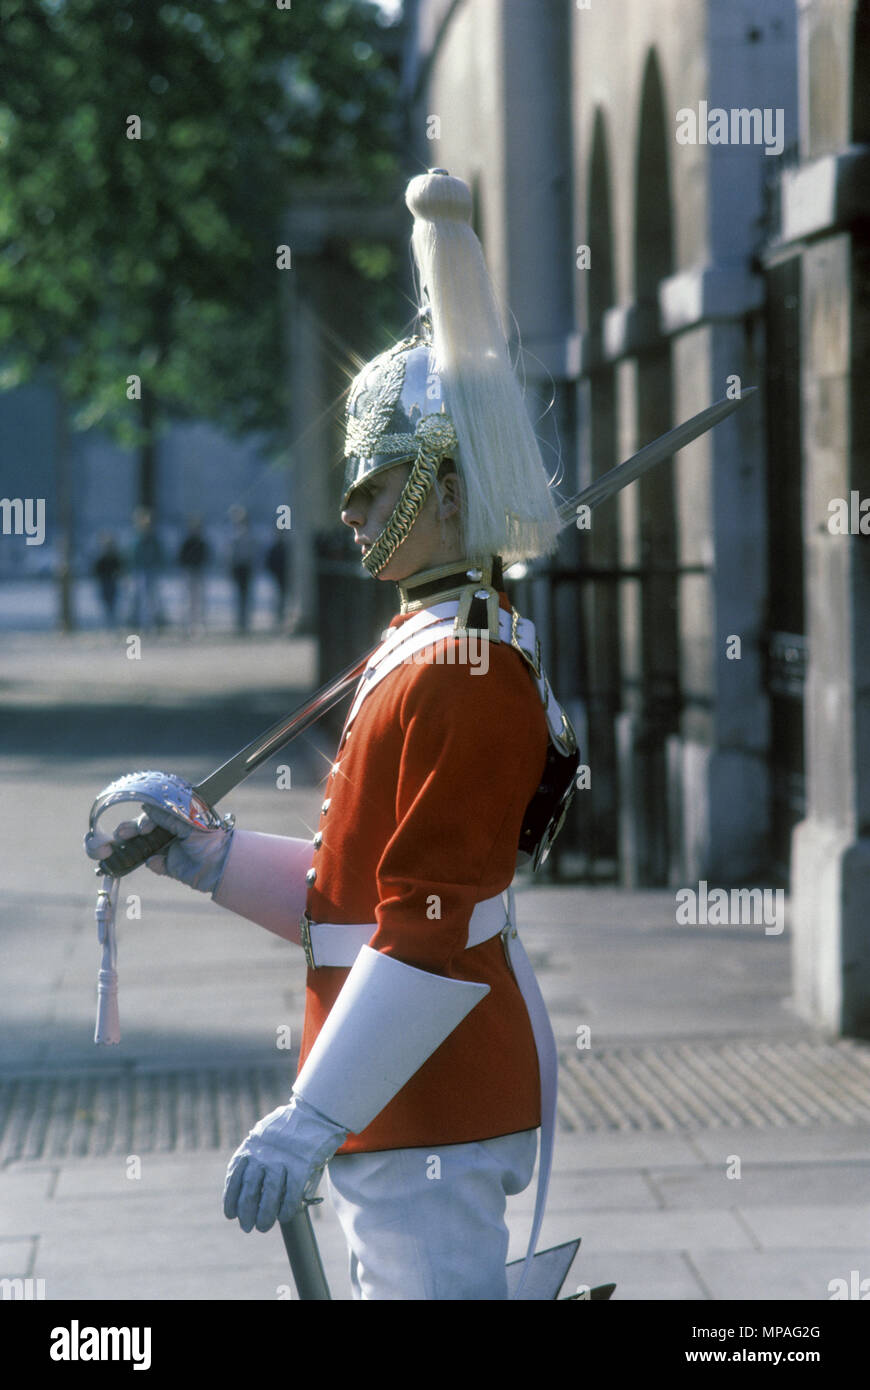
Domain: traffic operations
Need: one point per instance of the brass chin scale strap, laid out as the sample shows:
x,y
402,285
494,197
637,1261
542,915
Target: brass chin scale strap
x,y
436,439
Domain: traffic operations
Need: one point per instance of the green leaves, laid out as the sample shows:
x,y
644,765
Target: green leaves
x,y
156,255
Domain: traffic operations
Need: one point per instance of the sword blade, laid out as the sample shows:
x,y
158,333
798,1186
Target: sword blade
x,y
615,479
255,753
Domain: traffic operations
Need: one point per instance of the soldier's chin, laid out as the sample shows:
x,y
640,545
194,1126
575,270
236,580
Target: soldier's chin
x,y
391,570
395,569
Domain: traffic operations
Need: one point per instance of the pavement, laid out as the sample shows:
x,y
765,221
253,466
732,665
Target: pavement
x,y
711,1145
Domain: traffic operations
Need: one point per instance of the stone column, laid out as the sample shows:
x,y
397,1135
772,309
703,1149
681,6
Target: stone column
x,y
824,208
831,846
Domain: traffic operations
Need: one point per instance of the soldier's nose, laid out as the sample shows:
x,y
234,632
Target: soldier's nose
x,y
354,514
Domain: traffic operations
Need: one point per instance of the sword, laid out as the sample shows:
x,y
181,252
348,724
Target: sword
x,y
304,1256
549,1267
615,479
208,792
141,847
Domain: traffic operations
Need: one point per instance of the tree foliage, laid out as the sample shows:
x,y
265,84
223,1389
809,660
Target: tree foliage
x,y
156,256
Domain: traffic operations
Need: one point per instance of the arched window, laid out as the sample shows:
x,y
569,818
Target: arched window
x,y
658,700
599,229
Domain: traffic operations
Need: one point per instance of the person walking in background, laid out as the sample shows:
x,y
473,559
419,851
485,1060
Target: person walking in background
x,y
241,564
146,562
107,571
193,557
277,563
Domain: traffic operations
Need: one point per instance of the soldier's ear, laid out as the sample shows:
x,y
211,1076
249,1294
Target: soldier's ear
x,y
448,488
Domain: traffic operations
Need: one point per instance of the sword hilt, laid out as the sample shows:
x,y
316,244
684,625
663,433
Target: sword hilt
x,y
131,853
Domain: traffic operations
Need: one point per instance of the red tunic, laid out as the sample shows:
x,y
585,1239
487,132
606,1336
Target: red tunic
x,y
425,804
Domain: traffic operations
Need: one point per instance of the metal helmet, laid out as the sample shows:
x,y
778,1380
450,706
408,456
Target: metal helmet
x,y
397,414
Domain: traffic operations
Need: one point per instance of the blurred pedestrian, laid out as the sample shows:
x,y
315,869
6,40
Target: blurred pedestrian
x,y
146,563
107,571
277,563
193,557
241,564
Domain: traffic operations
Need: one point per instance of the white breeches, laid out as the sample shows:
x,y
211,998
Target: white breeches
x,y
429,1223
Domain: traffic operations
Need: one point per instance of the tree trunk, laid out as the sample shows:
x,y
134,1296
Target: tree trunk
x,y
148,453
65,520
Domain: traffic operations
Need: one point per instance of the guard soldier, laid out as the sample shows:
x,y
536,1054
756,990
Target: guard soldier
x,y
427,1060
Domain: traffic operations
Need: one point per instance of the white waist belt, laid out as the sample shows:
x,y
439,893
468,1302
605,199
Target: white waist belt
x,y
330,943
333,943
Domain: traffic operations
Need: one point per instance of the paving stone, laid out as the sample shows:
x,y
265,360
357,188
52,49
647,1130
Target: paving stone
x,y
161,1173
20,1186
788,1144
582,1192
228,1283
638,1275
805,1227
672,1230
767,1184
764,1275
179,1250
17,1256
584,1152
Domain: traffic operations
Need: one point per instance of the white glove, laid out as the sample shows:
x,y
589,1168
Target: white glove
x,y
195,857
279,1165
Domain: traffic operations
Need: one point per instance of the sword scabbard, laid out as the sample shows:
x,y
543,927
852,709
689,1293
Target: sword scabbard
x,y
300,1243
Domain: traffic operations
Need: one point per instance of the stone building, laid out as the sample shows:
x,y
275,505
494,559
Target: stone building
x,y
821,251
670,195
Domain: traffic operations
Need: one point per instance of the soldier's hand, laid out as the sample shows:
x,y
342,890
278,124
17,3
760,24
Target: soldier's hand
x,y
194,857
279,1165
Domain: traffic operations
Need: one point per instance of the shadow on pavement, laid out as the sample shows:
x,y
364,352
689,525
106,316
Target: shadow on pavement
x,y
207,729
